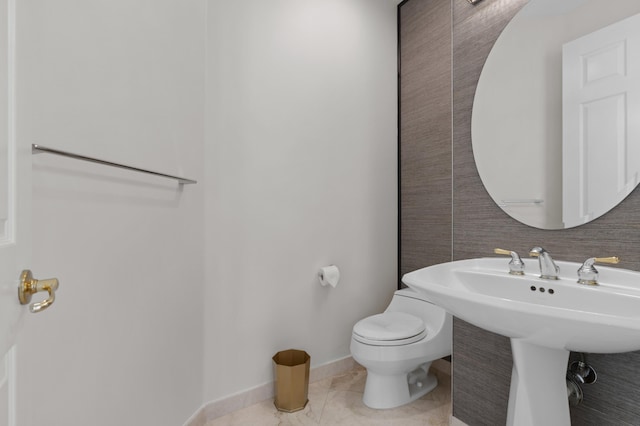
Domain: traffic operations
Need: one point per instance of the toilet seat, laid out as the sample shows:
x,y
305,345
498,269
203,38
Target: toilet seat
x,y
389,329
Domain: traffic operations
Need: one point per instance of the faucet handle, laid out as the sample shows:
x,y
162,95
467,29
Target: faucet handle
x,y
516,265
612,259
588,274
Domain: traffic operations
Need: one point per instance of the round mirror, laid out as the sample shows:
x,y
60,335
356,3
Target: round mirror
x,y
556,116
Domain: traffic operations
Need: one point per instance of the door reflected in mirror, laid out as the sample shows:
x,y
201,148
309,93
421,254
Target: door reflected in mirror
x,y
554,129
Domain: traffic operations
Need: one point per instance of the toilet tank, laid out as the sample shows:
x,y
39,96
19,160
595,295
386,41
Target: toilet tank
x,y
414,303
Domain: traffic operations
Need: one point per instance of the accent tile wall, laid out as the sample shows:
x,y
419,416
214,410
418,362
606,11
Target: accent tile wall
x,y
482,360
425,134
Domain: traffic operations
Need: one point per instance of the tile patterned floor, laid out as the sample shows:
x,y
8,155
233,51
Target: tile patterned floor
x,y
338,401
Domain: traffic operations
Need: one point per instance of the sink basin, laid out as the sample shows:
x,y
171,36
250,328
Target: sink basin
x,y
558,314
545,319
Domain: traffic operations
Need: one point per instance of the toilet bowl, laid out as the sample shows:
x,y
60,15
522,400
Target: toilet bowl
x,y
397,348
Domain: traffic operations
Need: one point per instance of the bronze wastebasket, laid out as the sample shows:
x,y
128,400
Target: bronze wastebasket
x,y
292,379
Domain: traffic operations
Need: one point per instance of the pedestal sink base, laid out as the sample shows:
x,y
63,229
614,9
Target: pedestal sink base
x,y
545,319
538,394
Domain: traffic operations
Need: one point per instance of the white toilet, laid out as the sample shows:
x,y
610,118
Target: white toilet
x,y
397,348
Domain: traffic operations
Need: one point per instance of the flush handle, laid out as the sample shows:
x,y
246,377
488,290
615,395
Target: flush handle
x,y
30,286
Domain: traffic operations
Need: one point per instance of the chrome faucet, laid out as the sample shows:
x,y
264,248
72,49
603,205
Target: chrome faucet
x,y
588,274
548,268
516,266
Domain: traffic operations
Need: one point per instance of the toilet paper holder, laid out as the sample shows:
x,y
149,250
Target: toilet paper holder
x,y
329,275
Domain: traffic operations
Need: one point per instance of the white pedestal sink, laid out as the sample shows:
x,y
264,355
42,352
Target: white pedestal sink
x,y
544,319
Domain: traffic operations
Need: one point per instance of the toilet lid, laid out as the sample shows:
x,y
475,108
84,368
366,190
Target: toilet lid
x,y
389,326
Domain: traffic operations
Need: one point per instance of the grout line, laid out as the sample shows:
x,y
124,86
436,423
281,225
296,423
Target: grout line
x,y
324,404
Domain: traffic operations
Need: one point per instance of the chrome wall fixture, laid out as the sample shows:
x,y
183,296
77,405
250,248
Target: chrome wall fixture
x,y
579,373
504,203
35,149
474,1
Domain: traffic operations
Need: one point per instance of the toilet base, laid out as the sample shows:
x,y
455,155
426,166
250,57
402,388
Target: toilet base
x,y
385,391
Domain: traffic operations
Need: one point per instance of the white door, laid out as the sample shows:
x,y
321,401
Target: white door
x,y
15,238
601,106
14,253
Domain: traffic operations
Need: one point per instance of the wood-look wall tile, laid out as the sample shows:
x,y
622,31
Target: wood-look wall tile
x,y
480,226
474,216
471,225
477,371
615,391
425,134
585,416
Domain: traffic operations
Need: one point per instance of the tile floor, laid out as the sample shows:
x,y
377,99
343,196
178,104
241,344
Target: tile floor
x,y
338,401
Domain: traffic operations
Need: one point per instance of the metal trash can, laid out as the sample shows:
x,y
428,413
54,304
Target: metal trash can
x,y
292,379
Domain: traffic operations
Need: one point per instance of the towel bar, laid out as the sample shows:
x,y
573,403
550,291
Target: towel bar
x,y
504,203
35,149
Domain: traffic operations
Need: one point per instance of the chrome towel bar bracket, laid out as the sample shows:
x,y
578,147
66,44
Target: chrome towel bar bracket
x,y
36,149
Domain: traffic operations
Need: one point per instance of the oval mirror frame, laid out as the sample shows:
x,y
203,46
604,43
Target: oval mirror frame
x,y
552,159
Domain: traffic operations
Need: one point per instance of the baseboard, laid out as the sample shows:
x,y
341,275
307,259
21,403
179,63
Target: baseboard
x,y
221,407
197,419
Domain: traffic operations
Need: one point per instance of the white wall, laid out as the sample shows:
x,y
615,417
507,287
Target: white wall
x,y
121,80
300,172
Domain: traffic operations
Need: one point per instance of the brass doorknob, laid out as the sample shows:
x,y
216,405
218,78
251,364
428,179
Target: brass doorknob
x,y
30,286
